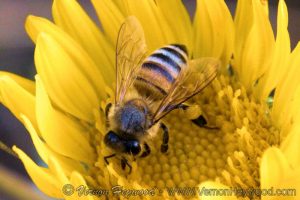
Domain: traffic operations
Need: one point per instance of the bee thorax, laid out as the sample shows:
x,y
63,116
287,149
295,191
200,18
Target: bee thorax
x,y
131,119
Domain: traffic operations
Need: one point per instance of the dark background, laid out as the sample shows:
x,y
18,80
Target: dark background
x,y
16,55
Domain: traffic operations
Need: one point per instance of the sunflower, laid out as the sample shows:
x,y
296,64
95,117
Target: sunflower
x,y
254,102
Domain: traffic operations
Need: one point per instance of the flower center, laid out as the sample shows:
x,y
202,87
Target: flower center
x,y
229,154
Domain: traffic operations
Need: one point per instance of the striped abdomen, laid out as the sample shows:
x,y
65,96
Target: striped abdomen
x,y
160,70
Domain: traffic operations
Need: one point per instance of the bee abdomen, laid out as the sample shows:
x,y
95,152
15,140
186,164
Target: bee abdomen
x,y
160,70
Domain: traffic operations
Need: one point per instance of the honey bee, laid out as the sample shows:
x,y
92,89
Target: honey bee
x,y
148,88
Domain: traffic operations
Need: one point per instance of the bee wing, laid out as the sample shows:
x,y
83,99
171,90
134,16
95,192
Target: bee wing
x,y
199,74
130,53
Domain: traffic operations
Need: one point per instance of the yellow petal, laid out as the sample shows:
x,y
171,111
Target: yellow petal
x,y
36,25
265,4
210,190
282,49
41,177
213,30
110,16
78,182
121,5
38,143
277,176
295,107
17,99
290,147
229,39
258,47
178,18
243,21
57,171
289,186
67,85
61,133
253,43
85,32
273,168
45,152
285,92
156,28
23,82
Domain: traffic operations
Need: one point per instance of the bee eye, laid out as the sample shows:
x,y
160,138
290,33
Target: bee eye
x,y
133,146
111,137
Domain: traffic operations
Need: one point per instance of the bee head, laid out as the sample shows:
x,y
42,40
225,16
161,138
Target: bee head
x,y
119,144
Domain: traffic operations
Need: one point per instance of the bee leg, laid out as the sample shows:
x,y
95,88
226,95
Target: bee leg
x,y
201,122
147,150
164,146
124,162
107,157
